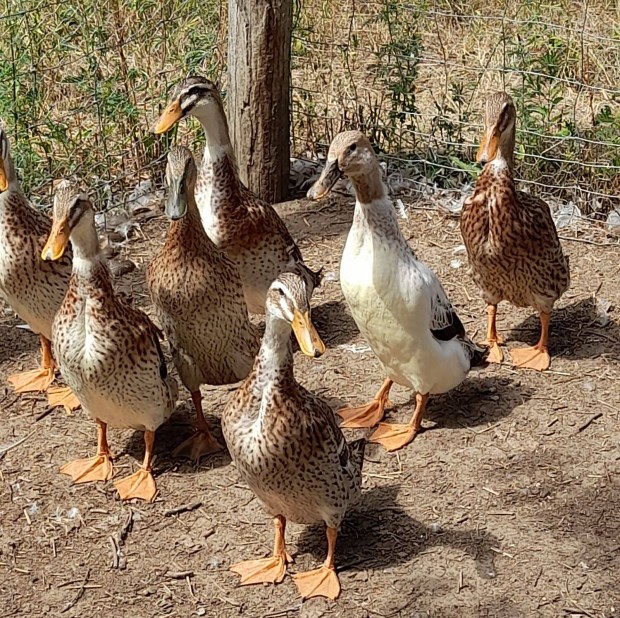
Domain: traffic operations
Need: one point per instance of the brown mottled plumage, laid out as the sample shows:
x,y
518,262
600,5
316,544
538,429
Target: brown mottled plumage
x,y
245,227
34,289
108,352
199,301
286,443
512,244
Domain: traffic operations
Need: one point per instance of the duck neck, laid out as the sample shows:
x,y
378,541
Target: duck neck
x,y
505,155
186,227
218,151
274,363
373,208
496,197
87,255
369,186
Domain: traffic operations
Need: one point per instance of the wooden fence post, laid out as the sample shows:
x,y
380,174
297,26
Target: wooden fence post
x,y
259,63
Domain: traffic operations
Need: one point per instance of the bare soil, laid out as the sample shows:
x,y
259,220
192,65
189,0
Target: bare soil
x,y
507,506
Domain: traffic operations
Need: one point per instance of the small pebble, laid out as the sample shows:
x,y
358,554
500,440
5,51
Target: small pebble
x,y
213,563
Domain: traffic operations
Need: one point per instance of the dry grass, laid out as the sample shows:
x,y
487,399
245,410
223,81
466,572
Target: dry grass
x,y
438,60
83,83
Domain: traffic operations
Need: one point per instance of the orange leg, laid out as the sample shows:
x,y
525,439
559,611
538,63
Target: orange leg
x,y
392,436
202,442
38,379
321,582
97,468
493,339
371,413
537,357
141,484
267,570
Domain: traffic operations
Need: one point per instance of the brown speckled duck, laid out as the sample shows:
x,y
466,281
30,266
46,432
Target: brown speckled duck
x,y
34,289
199,301
108,352
246,228
512,244
286,444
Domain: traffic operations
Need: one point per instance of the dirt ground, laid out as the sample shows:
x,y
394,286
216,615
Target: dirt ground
x,y
506,507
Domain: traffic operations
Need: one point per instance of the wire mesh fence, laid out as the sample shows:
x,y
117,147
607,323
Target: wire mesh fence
x,y
80,85
414,77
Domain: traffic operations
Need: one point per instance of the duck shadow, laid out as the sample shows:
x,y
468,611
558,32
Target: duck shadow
x,y
479,400
173,432
373,535
575,332
334,323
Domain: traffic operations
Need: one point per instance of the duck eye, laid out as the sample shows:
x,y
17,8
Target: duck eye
x,y
352,147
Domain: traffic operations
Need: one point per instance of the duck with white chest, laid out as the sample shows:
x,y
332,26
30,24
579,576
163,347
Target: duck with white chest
x,y
397,302
108,352
287,446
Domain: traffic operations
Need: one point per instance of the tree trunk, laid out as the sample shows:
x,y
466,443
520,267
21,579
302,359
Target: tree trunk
x,y
259,63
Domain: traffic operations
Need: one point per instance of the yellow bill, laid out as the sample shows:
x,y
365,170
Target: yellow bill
x,y
57,242
171,115
307,337
488,147
4,183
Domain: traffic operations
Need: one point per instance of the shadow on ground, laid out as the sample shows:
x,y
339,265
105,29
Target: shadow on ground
x,y
334,323
479,400
378,534
575,332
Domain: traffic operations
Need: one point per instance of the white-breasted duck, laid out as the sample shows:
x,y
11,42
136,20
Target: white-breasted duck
x,y
397,302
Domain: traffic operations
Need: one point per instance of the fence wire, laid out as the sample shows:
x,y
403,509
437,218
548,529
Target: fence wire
x,y
414,77
81,83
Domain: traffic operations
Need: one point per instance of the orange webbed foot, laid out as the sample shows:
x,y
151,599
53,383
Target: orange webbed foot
x,y
393,436
322,582
264,571
38,380
62,396
531,358
97,468
363,416
140,485
495,352
200,444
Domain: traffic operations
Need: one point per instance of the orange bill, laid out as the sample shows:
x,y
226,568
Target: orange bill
x,y
57,242
307,337
488,146
169,118
4,183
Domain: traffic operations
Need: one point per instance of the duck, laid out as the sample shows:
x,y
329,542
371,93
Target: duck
x,y
512,244
108,351
287,446
198,299
245,227
32,288
397,301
